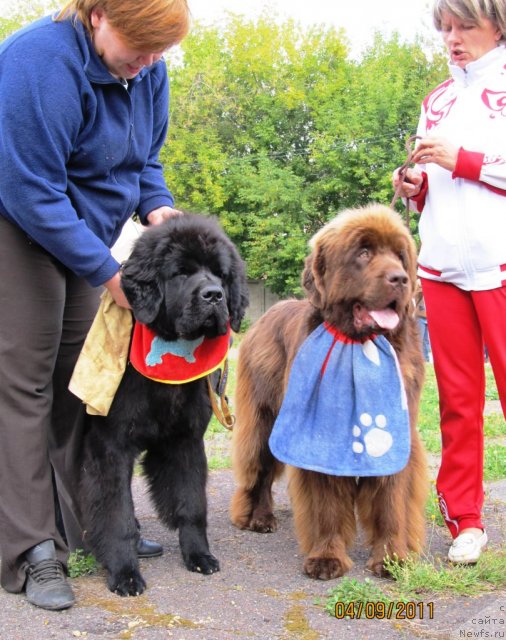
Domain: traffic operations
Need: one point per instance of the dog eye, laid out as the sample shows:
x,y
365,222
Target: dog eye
x,y
364,254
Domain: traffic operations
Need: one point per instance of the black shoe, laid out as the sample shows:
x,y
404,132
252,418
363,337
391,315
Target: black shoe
x,y
46,584
148,548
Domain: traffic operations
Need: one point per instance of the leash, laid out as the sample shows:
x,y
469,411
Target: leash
x,y
402,175
222,412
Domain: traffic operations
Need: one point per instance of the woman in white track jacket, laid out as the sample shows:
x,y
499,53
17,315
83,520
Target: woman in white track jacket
x,y
459,187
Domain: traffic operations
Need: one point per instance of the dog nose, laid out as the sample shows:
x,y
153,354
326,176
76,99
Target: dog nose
x,y
396,278
212,294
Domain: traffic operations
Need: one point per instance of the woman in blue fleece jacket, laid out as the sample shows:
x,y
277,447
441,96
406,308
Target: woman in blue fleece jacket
x,y
83,115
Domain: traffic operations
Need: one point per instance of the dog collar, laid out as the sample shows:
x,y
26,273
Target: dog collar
x,y
345,410
176,361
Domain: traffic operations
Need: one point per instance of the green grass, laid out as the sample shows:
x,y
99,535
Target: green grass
x,y
491,392
428,417
432,512
417,579
495,462
81,564
350,591
494,425
215,462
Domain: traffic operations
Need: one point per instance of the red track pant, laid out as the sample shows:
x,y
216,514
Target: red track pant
x,y
460,323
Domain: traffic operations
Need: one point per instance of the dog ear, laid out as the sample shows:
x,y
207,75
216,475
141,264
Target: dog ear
x,y
237,293
314,269
142,291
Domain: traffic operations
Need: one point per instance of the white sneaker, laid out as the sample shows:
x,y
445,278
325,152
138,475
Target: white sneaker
x,y
467,548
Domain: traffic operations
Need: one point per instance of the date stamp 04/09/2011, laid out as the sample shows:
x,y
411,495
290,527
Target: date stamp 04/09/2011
x,y
384,610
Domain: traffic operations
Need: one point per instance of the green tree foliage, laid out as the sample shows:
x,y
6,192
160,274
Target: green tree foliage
x,y
275,128
241,129
24,12
371,119
7,26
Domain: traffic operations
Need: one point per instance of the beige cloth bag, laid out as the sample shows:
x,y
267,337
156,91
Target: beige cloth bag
x,y
104,356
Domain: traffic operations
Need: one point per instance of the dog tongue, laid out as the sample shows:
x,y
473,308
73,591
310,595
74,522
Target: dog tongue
x,y
386,318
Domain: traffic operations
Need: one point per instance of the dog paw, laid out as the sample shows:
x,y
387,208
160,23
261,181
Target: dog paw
x,y
202,563
378,568
377,565
325,568
127,583
266,523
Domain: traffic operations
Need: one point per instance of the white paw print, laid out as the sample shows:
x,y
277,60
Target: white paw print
x,y
377,441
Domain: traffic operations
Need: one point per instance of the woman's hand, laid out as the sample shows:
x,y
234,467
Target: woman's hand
x,y
157,216
411,185
437,150
162,213
114,287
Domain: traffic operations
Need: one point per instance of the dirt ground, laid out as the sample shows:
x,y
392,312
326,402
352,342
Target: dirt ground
x,y
260,592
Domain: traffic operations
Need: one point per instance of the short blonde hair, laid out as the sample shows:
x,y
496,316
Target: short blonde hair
x,y
149,25
472,11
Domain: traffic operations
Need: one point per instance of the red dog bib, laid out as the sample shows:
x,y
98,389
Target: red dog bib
x,y
176,361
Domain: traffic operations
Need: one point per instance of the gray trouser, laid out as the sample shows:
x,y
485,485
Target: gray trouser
x,y
45,314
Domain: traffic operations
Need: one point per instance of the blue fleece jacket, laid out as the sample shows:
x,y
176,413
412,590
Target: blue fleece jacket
x,y
78,151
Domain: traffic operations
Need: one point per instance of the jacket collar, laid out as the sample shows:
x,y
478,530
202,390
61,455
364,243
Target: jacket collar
x,y
477,69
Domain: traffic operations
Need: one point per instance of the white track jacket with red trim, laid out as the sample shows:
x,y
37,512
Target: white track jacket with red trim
x,y
463,221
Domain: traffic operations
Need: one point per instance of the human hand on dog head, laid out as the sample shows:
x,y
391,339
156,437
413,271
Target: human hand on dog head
x,y
114,287
157,216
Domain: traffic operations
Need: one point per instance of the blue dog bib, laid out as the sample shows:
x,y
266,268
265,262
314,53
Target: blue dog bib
x,y
345,409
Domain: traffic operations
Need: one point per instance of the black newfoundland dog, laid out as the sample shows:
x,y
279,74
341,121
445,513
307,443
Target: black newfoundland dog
x,y
186,283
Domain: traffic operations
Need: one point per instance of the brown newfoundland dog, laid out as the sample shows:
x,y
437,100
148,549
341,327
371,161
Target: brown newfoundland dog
x,y
359,280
